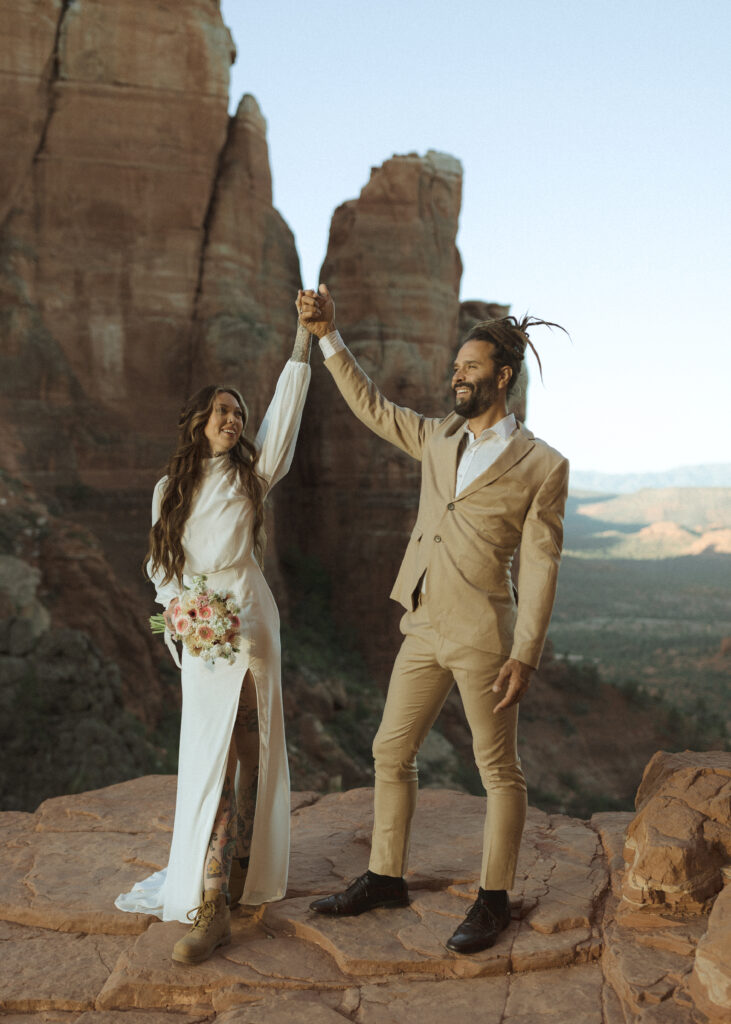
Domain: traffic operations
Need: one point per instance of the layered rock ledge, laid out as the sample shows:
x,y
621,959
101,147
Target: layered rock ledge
x,y
590,941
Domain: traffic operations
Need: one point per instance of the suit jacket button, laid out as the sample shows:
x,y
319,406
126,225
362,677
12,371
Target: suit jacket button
x,y
438,539
450,506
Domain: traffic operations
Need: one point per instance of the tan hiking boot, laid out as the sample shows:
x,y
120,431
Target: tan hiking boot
x,y
237,879
211,929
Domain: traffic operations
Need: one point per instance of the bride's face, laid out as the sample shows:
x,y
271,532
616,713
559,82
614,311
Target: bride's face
x,y
225,423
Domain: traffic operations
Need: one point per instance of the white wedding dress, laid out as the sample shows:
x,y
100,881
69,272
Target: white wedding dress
x,y
218,542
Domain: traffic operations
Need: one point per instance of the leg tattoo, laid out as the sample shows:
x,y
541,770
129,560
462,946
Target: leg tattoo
x,y
223,837
246,733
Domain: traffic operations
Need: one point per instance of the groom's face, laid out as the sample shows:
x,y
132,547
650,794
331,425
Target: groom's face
x,y
474,379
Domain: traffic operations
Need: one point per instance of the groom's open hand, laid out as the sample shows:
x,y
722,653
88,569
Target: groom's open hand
x,y
316,311
516,676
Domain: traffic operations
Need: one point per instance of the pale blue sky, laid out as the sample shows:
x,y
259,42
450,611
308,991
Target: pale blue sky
x,y
594,136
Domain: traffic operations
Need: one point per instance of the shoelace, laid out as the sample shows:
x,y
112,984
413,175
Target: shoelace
x,y
477,909
204,914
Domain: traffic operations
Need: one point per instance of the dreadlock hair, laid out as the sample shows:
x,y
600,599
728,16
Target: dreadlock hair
x,y
184,473
509,338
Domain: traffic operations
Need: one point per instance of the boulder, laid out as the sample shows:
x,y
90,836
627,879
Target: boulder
x,y
710,980
680,839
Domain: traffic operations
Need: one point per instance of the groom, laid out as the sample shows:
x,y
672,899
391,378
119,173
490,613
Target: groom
x,y
487,485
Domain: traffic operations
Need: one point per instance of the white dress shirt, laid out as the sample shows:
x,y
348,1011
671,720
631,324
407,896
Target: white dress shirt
x,y
478,453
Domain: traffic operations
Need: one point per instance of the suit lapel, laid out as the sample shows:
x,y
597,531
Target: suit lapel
x,y
446,453
518,447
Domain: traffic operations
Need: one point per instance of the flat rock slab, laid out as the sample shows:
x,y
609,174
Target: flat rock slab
x,y
139,806
70,956
640,974
104,1017
41,1017
69,880
46,970
572,996
386,942
139,1017
256,960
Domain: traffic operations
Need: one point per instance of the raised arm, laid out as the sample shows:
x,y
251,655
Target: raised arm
x,y
302,345
402,427
278,432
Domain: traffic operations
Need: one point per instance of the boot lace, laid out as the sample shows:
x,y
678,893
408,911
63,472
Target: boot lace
x,y
204,915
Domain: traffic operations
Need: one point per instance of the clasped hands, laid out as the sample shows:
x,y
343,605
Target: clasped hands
x,y
316,311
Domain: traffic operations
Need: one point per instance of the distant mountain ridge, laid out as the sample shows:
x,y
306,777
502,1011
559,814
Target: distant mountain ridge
x,y
697,508
660,522
716,474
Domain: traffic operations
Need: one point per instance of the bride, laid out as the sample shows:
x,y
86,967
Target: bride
x,y
231,834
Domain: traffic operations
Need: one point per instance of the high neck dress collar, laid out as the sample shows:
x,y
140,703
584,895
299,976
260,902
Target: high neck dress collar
x,y
216,462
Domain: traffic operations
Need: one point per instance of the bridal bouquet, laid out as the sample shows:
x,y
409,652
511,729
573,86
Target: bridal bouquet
x,y
206,622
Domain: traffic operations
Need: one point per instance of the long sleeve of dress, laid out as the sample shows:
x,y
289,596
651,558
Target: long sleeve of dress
x,y
278,432
164,593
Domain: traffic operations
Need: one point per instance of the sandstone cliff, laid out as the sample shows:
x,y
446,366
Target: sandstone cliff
x,y
593,940
140,256
394,269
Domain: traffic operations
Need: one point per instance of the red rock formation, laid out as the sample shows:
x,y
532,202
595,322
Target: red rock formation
x,y
394,270
710,981
105,232
250,272
67,581
140,255
681,837
141,251
28,34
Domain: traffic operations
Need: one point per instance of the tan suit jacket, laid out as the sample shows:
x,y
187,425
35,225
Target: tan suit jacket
x,y
467,543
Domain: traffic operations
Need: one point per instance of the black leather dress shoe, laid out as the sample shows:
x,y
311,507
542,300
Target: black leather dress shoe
x,y
480,929
365,893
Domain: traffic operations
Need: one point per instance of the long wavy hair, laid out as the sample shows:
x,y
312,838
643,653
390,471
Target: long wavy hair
x,y
184,474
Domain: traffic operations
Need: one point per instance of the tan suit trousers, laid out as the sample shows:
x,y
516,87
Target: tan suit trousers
x,y
425,669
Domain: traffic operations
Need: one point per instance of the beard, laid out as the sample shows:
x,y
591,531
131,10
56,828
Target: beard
x,y
482,395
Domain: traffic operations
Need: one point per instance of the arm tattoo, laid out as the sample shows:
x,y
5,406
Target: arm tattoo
x,y
302,343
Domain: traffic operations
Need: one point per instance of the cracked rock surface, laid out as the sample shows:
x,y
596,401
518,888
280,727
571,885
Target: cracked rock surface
x,y
575,951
